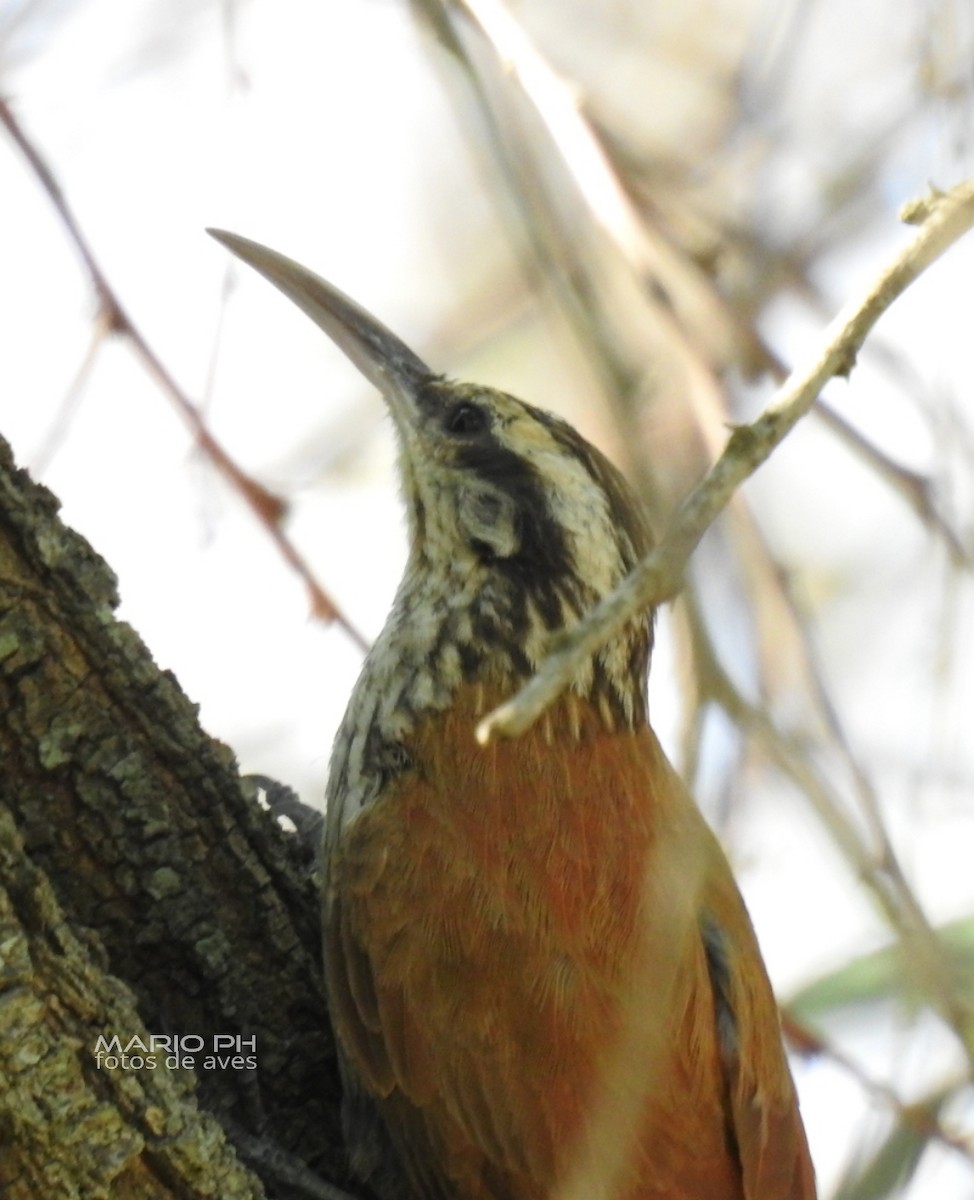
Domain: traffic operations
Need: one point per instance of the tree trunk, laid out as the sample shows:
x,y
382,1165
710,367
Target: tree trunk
x,y
143,895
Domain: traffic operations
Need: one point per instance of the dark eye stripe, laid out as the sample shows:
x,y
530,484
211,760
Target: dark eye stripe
x,y
626,510
543,558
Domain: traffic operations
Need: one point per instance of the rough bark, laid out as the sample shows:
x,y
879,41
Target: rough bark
x,y
141,892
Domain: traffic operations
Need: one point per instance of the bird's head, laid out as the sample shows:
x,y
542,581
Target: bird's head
x,y
511,512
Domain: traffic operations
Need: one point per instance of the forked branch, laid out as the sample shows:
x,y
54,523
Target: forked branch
x,y
943,218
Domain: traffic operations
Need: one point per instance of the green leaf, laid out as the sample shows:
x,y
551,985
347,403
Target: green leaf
x,y
889,1170
894,1163
882,975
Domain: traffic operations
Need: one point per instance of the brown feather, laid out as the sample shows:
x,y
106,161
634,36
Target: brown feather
x,y
515,936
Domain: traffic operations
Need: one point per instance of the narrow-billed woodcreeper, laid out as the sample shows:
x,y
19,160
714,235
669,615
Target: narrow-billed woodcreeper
x,y
543,980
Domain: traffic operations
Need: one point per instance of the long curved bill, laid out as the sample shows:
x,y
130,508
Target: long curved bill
x,y
384,359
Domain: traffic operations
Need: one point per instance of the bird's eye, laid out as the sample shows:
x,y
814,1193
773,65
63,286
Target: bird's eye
x,y
466,418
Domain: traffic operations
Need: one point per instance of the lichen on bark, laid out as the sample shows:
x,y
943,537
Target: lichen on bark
x,y
143,892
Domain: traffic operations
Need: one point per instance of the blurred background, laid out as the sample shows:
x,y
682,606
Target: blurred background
x,y
638,214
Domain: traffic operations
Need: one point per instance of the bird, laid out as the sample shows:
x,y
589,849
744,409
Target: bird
x,y
542,977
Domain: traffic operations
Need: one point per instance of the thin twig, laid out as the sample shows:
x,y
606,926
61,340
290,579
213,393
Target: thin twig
x,y
59,428
878,868
658,577
914,488
917,1116
269,508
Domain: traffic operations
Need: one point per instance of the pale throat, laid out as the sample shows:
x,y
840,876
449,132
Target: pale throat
x,y
471,630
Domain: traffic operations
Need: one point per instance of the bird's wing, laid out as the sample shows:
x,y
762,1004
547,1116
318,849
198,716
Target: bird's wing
x,y
480,1072
764,1115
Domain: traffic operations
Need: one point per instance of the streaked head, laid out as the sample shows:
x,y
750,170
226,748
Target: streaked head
x,y
497,491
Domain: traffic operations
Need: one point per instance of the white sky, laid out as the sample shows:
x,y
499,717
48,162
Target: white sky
x,y
326,155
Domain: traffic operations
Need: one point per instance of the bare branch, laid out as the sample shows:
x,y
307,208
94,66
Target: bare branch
x,y
946,218
269,508
877,866
917,1115
915,489
70,403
